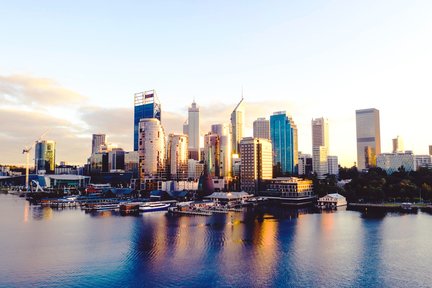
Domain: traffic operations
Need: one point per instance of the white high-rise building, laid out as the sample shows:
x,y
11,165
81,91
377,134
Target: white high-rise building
x,y
368,137
320,146
192,129
261,128
256,163
152,150
398,146
333,165
98,140
178,156
238,126
223,131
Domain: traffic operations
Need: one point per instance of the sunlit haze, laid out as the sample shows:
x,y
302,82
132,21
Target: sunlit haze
x,y
73,67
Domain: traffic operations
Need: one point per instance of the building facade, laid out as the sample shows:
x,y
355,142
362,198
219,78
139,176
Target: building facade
x,y
283,132
320,146
398,145
261,128
212,154
256,163
98,140
368,137
152,151
237,124
178,156
305,164
192,129
45,151
225,153
333,165
146,105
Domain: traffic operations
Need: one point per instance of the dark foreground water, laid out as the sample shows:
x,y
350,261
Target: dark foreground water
x,y
269,247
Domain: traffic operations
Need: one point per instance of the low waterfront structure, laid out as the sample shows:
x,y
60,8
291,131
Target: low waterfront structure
x,y
229,197
332,201
289,189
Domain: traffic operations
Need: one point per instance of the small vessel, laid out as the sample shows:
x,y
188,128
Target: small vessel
x,y
154,206
406,206
99,207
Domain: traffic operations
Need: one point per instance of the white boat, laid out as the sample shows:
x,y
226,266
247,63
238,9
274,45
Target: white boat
x,y
111,206
154,206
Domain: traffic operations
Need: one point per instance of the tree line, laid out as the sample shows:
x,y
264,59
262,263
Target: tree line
x,y
376,186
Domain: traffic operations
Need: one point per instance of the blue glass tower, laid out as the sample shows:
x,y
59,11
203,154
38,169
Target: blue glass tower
x,y
146,106
283,134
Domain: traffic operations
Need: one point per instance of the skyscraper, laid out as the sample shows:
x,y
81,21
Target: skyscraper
x,y
256,163
45,156
368,137
98,140
152,151
192,129
178,156
212,154
237,124
398,146
261,128
146,105
283,133
320,146
223,131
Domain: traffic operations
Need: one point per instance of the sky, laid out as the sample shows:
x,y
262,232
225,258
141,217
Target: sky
x,y
72,67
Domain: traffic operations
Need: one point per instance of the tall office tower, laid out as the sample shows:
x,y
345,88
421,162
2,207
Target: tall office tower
x,y
368,137
333,165
224,133
178,156
152,150
212,154
256,163
98,141
320,146
398,146
147,105
237,124
45,156
304,164
261,128
192,129
283,134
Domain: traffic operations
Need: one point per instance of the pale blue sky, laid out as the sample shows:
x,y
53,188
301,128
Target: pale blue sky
x,y
310,58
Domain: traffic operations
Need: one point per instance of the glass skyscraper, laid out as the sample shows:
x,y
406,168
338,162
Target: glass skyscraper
x,y
146,106
368,137
283,133
45,156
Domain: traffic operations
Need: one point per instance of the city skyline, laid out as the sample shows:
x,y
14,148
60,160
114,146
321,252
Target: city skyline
x,y
292,57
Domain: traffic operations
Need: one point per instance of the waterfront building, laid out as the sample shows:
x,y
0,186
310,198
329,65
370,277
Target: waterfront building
x,y
320,146
212,154
333,165
256,163
305,164
398,146
284,139
288,189
45,151
178,156
237,124
332,201
98,140
152,152
225,153
368,137
192,128
146,105
261,128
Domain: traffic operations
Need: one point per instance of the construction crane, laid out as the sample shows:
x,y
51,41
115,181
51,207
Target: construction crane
x,y
26,150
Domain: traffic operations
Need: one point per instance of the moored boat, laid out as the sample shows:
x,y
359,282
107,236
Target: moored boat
x,y
154,206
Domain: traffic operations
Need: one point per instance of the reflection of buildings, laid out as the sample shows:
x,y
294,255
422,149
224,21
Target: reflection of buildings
x,y
45,156
368,137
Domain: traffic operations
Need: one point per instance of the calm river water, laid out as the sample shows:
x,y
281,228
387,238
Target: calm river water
x,y
266,247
